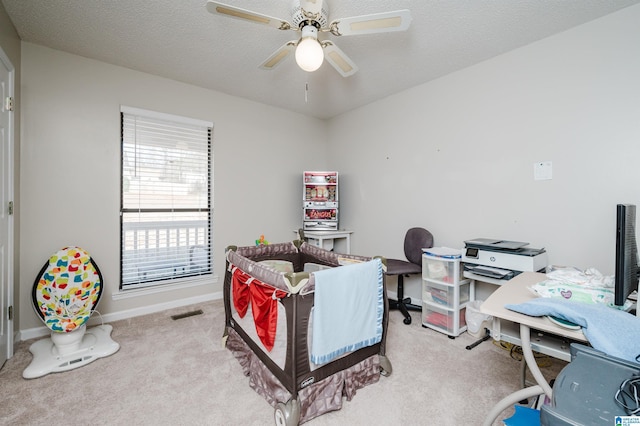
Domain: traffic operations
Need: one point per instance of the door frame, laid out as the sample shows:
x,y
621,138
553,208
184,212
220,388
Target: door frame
x,y
9,170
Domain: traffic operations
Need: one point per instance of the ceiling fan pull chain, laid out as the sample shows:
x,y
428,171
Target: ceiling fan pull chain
x,y
306,93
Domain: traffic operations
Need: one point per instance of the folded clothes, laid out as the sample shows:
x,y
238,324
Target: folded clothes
x,y
611,331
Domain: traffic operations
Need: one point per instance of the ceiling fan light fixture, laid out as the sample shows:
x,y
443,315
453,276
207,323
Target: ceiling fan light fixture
x,y
311,17
309,54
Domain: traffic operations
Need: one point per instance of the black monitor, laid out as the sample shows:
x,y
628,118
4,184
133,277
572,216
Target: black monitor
x,y
626,274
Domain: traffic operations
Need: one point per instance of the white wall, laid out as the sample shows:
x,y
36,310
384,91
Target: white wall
x,y
456,155
71,162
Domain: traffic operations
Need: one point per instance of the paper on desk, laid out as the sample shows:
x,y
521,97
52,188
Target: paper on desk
x,y
446,252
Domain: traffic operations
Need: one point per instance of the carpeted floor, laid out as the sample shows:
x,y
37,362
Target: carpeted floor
x,y
176,372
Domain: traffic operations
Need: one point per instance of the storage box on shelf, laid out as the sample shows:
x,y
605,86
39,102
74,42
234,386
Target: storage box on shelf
x,y
320,201
444,294
444,320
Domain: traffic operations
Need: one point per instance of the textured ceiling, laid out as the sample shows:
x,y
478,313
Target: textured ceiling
x,y
180,40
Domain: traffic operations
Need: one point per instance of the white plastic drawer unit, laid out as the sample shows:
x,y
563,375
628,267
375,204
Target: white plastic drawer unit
x,y
445,270
447,321
443,295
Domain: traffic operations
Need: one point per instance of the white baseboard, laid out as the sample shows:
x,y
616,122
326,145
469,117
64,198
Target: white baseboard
x,y
32,333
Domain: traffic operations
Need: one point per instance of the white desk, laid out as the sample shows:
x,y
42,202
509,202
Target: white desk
x,y
325,239
516,291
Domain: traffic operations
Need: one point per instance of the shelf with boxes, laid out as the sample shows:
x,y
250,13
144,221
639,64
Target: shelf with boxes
x,y
444,294
320,201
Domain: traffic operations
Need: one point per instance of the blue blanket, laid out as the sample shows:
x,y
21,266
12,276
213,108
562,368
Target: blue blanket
x,y
348,310
609,330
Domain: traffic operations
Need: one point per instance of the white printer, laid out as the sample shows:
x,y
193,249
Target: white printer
x,y
500,259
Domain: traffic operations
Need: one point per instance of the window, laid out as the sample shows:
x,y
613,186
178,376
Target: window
x,y
165,202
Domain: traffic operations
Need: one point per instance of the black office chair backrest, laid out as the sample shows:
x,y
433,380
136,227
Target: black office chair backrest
x,y
414,241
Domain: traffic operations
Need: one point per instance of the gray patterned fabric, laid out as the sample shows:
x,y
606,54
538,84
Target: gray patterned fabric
x,y
268,250
259,271
330,257
316,399
327,394
244,258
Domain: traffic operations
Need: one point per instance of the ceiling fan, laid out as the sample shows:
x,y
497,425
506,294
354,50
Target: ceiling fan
x,y
310,18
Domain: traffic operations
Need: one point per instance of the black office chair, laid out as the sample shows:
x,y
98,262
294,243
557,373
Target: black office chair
x,y
414,241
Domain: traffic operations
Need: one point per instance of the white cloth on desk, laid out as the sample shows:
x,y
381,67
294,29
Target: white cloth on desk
x,y
611,331
589,278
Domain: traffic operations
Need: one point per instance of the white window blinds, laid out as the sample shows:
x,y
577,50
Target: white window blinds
x,y
166,207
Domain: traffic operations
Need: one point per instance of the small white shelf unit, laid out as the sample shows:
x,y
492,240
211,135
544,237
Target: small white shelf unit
x,y
444,294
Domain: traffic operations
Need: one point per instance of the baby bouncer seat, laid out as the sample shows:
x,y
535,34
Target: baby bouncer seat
x,y
65,294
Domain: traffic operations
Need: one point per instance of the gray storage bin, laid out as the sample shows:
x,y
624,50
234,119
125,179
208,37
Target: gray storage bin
x,y
584,391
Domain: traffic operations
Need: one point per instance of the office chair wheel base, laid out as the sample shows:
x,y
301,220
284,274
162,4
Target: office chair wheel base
x,y
407,320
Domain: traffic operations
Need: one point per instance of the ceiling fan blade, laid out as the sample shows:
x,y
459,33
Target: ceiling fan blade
x,y
384,22
279,55
336,57
246,15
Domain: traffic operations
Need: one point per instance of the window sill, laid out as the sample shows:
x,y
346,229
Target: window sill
x,y
163,288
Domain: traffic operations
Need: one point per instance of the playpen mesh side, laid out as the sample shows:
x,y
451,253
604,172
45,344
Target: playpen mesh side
x,y
261,272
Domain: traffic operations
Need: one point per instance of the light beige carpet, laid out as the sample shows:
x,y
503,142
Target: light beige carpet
x,y
176,372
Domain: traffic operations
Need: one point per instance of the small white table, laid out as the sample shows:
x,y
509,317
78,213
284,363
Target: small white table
x,y
325,239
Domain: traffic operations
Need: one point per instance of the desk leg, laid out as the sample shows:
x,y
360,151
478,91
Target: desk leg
x,y
523,373
541,388
525,338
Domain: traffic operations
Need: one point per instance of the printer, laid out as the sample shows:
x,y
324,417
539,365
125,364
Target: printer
x,y
501,259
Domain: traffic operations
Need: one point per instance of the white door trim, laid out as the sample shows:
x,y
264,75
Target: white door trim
x,y
9,174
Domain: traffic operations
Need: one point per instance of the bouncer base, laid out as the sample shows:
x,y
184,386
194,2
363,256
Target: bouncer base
x,y
96,343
